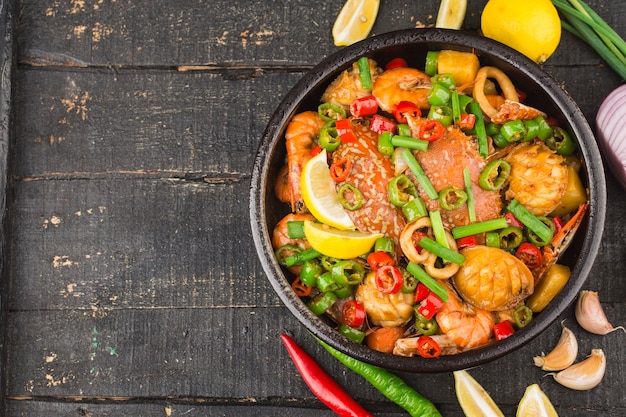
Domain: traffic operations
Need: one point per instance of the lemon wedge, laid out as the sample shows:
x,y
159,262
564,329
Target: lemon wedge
x,y
473,398
340,244
451,14
320,196
355,21
535,403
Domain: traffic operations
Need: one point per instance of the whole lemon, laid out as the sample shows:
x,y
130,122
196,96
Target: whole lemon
x,y
531,27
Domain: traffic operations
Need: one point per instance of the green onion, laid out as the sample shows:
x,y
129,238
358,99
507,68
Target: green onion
x,y
470,195
456,107
441,251
479,126
409,142
364,73
432,284
438,230
531,221
480,227
419,173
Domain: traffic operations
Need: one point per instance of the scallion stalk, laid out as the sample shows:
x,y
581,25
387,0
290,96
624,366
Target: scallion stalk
x,y
441,251
409,142
479,127
365,74
430,282
480,227
470,195
531,221
419,173
438,229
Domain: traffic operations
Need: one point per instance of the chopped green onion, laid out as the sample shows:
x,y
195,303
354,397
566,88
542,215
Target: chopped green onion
x,y
470,195
409,142
438,230
419,173
441,251
364,73
480,227
479,126
432,284
456,107
531,221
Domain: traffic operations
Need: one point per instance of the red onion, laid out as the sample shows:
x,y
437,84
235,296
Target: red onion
x,y
611,126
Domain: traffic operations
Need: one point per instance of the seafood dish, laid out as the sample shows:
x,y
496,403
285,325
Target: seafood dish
x,y
470,196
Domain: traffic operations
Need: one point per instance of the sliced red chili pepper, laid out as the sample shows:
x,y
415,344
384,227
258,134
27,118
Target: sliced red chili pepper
x,y
389,279
339,170
427,347
402,108
381,124
430,305
529,254
431,130
466,242
416,237
300,288
316,150
344,130
512,220
364,106
421,292
503,330
378,259
558,224
396,63
353,313
467,121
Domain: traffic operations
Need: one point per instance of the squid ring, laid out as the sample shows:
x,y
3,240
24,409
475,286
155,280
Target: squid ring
x,y
505,83
406,240
449,268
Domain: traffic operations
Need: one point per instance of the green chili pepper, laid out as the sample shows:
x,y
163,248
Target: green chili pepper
x,y
295,229
543,231
492,239
301,257
431,63
522,316
510,237
532,130
499,140
329,138
452,197
479,126
401,190
344,291
534,238
545,130
441,113
331,112
351,333
494,175
414,209
447,80
425,326
356,200
389,384
348,272
410,282
384,244
326,282
513,130
365,74
327,262
561,142
403,129
289,249
439,95
384,143
464,101
322,302
311,270
492,128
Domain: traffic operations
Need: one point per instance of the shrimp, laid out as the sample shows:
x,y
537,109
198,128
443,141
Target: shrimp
x,y
401,84
280,235
346,88
282,190
300,138
465,325
538,178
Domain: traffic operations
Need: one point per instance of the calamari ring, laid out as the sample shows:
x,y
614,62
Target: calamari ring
x,y
505,83
406,240
449,268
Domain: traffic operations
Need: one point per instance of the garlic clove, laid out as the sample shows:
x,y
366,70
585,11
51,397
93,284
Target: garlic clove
x,y
562,355
590,315
584,375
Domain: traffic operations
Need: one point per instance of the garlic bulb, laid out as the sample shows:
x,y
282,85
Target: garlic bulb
x,y
590,315
584,375
562,355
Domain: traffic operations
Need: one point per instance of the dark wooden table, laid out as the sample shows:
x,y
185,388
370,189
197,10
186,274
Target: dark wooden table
x,y
130,284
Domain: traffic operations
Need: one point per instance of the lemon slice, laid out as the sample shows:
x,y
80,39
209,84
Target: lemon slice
x,y
355,21
341,244
320,196
473,398
535,403
451,14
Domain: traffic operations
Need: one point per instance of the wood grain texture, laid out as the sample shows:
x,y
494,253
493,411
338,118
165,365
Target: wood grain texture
x,y
130,282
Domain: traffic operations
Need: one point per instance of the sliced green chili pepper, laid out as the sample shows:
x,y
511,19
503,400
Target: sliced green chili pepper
x,y
452,197
479,126
365,74
384,244
494,175
403,129
510,237
522,316
356,199
414,209
327,262
329,138
545,130
287,250
534,238
409,142
425,326
538,227
499,140
311,270
351,333
561,142
492,128
464,101
438,229
409,284
439,95
295,229
441,251
344,291
330,111
384,143
431,63
401,190
447,80
480,227
326,282
322,302
513,130
492,239
301,257
532,130
441,113
348,272
471,207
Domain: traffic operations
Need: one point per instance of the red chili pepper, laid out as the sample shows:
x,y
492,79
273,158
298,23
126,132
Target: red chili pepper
x,y
503,330
402,108
421,292
416,237
344,130
316,150
431,130
512,220
300,288
430,305
467,121
389,279
396,63
529,254
339,170
427,347
364,106
466,242
321,384
558,224
378,259
353,313
381,124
